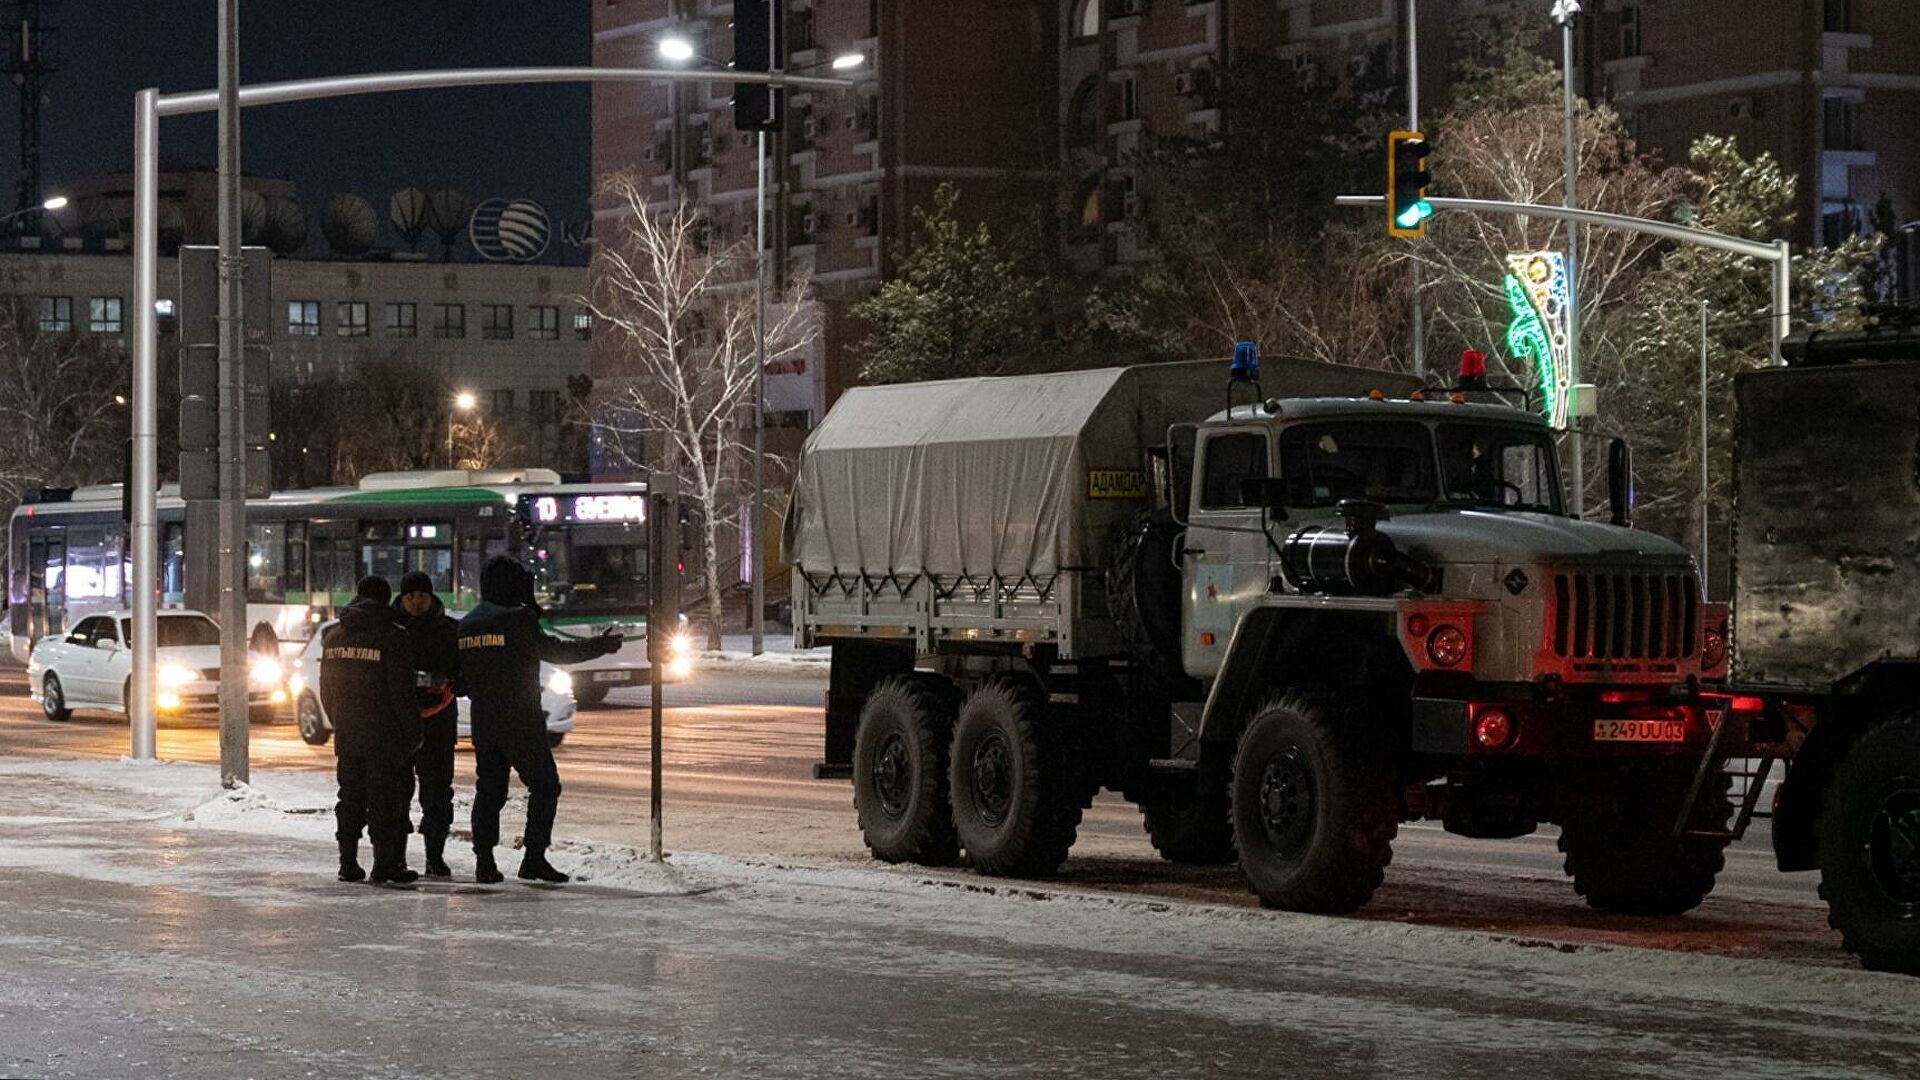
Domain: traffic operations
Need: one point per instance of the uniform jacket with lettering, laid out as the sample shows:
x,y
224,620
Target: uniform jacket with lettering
x,y
501,646
367,684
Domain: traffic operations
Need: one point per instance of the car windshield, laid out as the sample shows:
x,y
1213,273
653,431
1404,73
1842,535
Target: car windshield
x,y
1498,467
179,630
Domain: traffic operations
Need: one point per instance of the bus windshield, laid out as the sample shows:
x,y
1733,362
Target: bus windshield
x,y
590,569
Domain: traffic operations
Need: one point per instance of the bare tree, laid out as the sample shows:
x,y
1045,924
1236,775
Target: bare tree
x,y
62,405
682,320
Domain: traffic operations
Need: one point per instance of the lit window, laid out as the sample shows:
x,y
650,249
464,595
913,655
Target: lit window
x,y
303,318
103,315
56,314
1086,19
350,318
403,320
582,325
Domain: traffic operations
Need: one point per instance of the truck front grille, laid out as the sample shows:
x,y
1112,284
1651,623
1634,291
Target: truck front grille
x,y
1613,616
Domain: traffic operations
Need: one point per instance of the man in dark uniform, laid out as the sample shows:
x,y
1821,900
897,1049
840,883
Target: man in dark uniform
x,y
430,634
501,646
367,689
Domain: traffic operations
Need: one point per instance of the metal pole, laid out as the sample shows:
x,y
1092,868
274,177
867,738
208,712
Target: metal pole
x,y
233,453
1773,252
1782,297
142,532
756,560
1706,581
1413,124
1566,10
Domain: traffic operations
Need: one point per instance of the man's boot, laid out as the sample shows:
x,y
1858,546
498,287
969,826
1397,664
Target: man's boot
x,y
484,871
535,867
350,861
390,866
436,857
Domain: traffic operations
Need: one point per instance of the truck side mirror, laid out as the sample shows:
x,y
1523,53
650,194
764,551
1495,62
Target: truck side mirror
x,y
1269,493
1619,482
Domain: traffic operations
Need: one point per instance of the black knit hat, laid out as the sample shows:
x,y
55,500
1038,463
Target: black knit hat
x,y
415,581
504,581
375,588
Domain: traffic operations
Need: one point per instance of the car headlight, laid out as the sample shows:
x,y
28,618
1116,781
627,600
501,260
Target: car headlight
x,y
680,667
297,685
560,683
176,675
266,670
681,643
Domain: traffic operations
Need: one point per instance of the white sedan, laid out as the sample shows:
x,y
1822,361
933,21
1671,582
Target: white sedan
x,y
556,698
92,668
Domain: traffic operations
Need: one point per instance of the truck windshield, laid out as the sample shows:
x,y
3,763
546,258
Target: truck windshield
x,y
590,569
1388,462
1511,468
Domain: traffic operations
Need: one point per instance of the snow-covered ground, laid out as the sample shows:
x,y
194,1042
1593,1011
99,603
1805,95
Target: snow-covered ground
x,y
153,924
736,653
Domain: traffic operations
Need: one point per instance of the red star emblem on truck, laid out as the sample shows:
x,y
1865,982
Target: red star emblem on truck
x,y
1213,591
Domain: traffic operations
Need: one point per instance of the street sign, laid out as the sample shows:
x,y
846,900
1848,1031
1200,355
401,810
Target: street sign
x,y
759,45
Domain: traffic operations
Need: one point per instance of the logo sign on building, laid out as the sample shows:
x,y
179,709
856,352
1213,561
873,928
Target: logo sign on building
x,y
616,509
509,230
1537,296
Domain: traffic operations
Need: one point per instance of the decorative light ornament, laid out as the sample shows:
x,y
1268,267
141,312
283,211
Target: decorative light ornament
x,y
1537,294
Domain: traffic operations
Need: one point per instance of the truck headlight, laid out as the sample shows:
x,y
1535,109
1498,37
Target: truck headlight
x,y
1713,650
1447,646
176,675
560,683
266,671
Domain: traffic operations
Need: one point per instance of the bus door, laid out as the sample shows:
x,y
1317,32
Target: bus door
x,y
334,568
430,551
46,583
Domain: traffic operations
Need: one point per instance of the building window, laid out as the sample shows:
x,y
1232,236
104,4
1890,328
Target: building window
x,y
1841,16
449,320
1839,224
1126,103
583,325
543,405
545,325
500,402
350,318
1841,125
403,320
56,314
103,315
1629,30
1083,115
303,318
1086,19
499,323
1089,217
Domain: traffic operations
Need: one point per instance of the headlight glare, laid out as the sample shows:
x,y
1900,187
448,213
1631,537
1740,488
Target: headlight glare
x,y
560,683
266,670
176,675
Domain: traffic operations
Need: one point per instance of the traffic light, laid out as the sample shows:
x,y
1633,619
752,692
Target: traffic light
x,y
1407,180
759,44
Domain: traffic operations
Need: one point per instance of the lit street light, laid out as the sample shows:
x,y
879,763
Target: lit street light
x,y
676,49
464,401
848,61
55,203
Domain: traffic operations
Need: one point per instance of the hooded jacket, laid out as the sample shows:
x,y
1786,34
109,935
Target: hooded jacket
x,y
367,684
501,646
432,635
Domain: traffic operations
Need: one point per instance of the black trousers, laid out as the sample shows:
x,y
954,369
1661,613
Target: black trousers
x,y
433,765
529,755
373,796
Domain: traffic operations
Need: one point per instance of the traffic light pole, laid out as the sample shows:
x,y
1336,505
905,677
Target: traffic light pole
x,y
1565,12
231,566
150,107
1413,124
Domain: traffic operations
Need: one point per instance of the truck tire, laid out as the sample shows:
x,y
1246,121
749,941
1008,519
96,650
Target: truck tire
x,y
900,772
1869,834
1620,847
1015,792
1194,830
1314,811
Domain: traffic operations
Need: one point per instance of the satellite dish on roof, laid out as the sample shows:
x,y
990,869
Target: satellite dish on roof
x,y
408,212
349,224
253,215
503,230
447,217
286,229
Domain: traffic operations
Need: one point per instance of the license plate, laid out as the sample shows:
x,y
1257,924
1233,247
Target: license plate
x,y
609,676
1639,731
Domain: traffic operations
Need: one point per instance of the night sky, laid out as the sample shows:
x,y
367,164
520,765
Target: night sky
x,y
500,141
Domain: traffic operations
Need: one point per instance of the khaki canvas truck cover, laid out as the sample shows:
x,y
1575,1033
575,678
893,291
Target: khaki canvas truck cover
x,y
1015,476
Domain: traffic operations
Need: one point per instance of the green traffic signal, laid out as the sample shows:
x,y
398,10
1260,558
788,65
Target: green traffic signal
x,y
1407,180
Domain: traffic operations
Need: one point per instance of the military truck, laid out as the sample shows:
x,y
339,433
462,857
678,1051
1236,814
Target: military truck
x,y
1281,625
1826,600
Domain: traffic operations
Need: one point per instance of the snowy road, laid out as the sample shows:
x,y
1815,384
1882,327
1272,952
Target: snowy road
x,y
145,930
739,747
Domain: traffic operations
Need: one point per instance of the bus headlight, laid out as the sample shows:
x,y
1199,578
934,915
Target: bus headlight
x,y
266,671
681,644
176,675
560,683
680,667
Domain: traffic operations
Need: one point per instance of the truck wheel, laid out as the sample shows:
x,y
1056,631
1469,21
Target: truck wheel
x,y
1195,830
1870,848
1314,813
900,772
1620,847
1015,795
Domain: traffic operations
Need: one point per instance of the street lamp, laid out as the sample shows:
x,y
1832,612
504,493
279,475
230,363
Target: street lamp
x,y
55,203
679,50
464,401
1564,12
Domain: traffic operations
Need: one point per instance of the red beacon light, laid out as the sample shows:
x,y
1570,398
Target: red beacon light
x,y
1473,370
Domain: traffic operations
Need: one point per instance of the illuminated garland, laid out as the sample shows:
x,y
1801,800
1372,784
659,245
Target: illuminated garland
x,y
1537,295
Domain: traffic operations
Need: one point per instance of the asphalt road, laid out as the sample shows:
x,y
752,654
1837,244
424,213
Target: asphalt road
x,y
738,750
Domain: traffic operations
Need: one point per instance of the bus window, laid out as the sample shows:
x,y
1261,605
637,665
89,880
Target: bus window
x,y
335,571
266,556
294,572
93,564
430,551
383,550
173,563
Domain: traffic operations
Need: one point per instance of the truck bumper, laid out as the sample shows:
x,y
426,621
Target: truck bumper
x,y
1573,729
